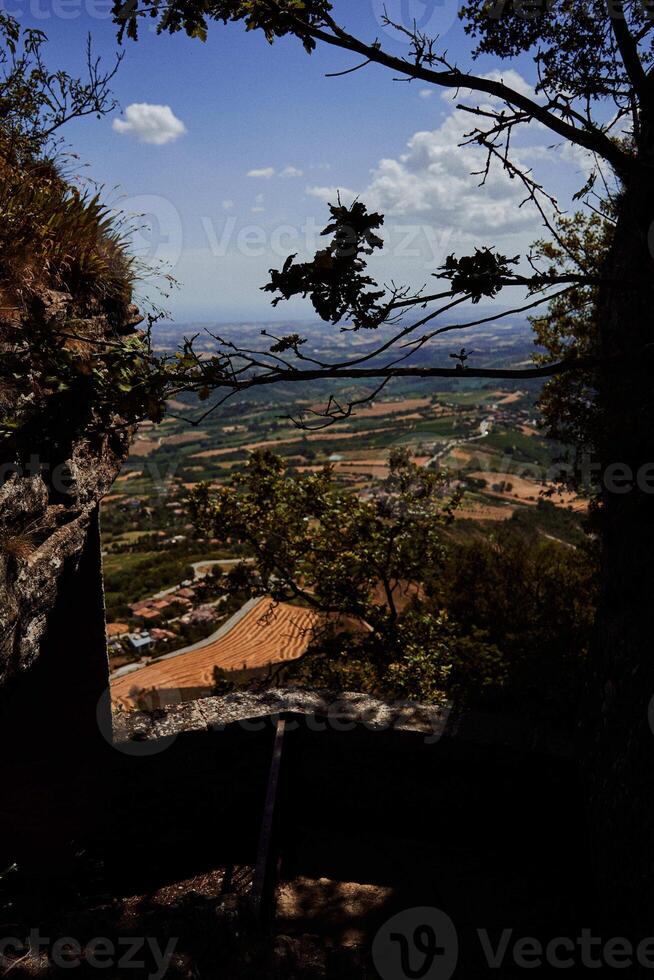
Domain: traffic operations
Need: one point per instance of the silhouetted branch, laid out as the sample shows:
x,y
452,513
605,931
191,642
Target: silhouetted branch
x,y
591,137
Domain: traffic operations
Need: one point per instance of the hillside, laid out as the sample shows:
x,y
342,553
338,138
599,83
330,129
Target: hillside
x,y
65,298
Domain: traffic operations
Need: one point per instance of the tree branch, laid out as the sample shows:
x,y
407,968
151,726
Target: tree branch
x,y
628,49
354,374
593,140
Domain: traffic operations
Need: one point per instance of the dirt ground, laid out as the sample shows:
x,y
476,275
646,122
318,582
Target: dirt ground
x,y
381,409
485,512
183,438
510,398
143,447
344,908
127,476
526,491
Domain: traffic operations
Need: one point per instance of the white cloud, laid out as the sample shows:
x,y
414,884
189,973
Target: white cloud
x,y
330,194
426,93
228,205
155,124
431,192
582,159
514,80
436,181
263,173
432,183
267,173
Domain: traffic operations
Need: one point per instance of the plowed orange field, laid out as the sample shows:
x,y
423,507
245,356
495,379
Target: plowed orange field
x,y
256,640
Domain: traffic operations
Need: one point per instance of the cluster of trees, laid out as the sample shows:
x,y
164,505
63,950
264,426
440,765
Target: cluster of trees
x,y
407,608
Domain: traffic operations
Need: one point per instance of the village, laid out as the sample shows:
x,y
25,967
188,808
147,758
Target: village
x,y
155,621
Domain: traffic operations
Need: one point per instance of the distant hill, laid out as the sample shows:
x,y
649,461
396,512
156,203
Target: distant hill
x,y
492,344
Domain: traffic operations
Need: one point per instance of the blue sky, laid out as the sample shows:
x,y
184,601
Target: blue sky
x,y
236,105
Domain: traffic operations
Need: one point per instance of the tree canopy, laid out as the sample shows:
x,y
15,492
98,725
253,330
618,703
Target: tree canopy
x,y
406,607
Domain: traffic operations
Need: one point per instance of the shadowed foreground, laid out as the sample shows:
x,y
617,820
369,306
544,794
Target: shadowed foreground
x,y
474,821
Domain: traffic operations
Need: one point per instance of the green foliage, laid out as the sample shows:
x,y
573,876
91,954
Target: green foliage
x,y
363,565
54,380
330,548
275,20
502,621
533,599
52,232
531,450
480,274
440,656
55,237
335,280
570,328
433,659
573,43
547,519
35,102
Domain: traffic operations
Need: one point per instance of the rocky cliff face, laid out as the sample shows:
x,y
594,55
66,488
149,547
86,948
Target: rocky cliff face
x,y
53,473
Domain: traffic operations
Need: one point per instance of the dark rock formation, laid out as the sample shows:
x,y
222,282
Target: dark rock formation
x,y
342,711
51,484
